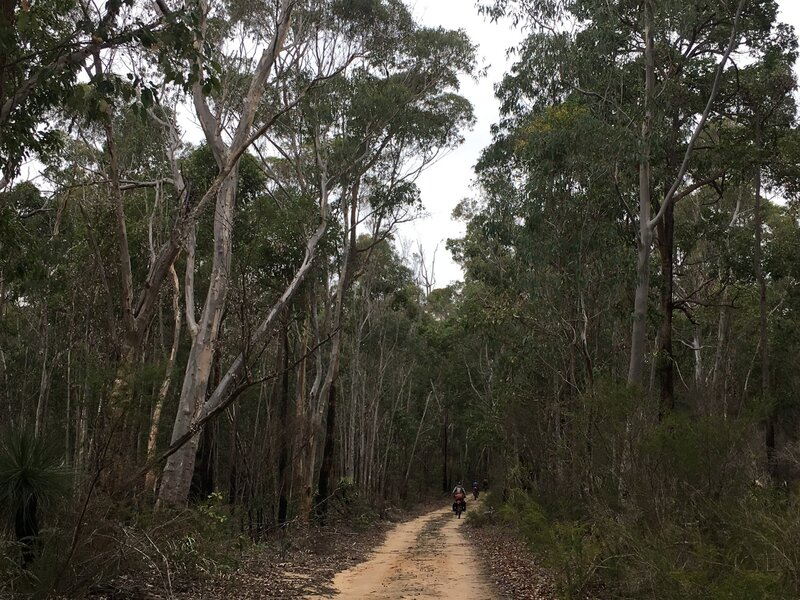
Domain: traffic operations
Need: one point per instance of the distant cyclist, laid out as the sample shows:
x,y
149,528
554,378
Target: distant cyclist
x,y
460,495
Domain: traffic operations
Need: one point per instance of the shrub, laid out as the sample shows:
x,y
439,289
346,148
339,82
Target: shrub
x,y
742,550
569,548
32,477
349,504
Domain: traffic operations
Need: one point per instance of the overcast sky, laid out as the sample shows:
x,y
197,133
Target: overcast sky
x,y
448,181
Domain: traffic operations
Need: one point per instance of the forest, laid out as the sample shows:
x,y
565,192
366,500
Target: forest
x,y
212,338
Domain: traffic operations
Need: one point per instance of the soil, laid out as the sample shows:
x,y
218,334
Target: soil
x,y
428,557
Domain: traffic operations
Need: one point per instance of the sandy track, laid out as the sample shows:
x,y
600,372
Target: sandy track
x,y
425,558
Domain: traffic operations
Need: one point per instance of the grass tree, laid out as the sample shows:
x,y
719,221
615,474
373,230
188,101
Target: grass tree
x,y
32,477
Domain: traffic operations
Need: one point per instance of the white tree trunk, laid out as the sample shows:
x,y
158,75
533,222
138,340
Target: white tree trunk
x,y
178,471
639,329
697,347
152,437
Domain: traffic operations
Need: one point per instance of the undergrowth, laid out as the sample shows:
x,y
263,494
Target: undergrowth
x,y
123,547
687,516
131,549
747,550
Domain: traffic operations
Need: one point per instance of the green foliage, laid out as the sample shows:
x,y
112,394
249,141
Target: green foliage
x,y
613,492
691,524
32,478
568,547
381,22
45,45
30,469
698,455
202,540
739,551
201,169
350,505
521,367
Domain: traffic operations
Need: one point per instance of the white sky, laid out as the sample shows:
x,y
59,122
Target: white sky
x,y
448,181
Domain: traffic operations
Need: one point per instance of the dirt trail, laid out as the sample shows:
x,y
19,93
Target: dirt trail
x,y
425,558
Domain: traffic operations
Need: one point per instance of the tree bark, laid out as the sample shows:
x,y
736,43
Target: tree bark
x,y
326,472
646,225
758,218
329,387
180,465
155,420
666,369
697,348
445,476
44,381
177,477
123,250
639,329
302,421
203,477
416,440
720,351
283,433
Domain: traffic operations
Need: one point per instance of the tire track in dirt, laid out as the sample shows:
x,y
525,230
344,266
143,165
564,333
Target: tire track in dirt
x,y
425,558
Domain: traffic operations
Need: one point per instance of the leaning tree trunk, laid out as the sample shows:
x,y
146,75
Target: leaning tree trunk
x,y
177,477
152,438
180,465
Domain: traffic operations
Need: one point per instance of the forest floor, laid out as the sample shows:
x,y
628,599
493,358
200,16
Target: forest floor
x,y
299,563
512,568
303,565
429,554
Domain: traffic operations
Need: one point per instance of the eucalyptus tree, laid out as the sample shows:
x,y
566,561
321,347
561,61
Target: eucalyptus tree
x,y
384,387
58,68
424,117
679,47
541,241
237,118
767,109
395,102
372,130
